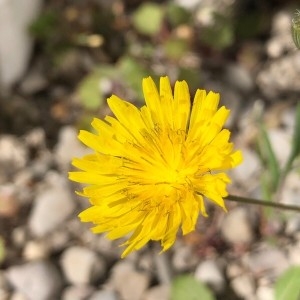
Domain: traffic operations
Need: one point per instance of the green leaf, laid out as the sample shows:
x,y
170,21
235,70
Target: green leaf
x,y
89,91
186,287
177,15
148,18
269,156
132,71
296,137
2,250
287,285
219,35
175,47
296,29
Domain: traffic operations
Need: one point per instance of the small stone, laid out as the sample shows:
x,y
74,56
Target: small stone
x,y
104,295
36,280
294,254
238,225
184,258
9,204
18,296
77,292
34,82
51,207
68,147
16,43
248,169
35,250
239,77
265,293
14,154
128,282
161,292
244,286
210,273
262,262
82,266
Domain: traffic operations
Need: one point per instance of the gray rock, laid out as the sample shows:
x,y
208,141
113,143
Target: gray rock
x,y
104,295
51,208
267,262
38,280
16,43
82,266
209,272
247,171
14,153
161,292
238,226
239,78
77,292
68,147
184,258
280,76
4,286
128,282
281,40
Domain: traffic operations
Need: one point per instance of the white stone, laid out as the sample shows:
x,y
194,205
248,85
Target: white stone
x,y
16,43
36,280
248,169
35,250
209,272
81,265
51,208
68,147
237,227
265,293
244,286
128,282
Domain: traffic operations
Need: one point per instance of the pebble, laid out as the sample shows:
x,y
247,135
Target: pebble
x,y
265,293
239,77
14,154
128,282
81,265
161,292
210,273
16,43
184,258
261,262
38,280
51,208
35,250
244,286
77,292
238,226
68,147
104,295
280,76
246,173
281,145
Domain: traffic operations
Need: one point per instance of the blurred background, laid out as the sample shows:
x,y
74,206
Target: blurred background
x,y
60,60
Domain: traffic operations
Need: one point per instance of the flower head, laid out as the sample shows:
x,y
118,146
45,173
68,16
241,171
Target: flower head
x,y
152,167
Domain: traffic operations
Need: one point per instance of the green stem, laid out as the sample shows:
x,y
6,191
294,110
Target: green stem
x,y
263,203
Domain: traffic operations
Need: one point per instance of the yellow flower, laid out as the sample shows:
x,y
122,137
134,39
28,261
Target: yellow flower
x,y
152,167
